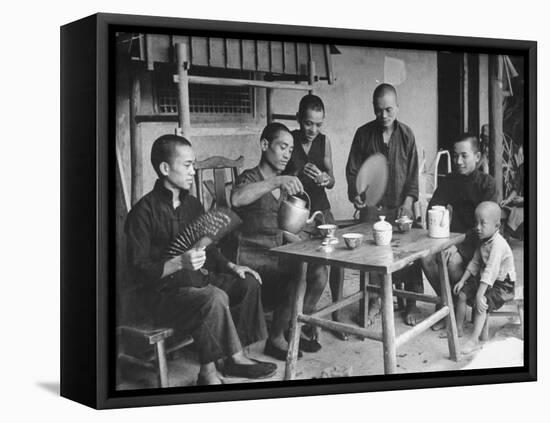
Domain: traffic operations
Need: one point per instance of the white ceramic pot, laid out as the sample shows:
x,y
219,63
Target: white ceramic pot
x,y
382,231
438,222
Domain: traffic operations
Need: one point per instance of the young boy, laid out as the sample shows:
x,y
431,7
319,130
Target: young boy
x,y
311,162
488,281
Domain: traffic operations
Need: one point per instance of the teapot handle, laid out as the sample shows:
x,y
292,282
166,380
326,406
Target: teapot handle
x,y
308,199
444,218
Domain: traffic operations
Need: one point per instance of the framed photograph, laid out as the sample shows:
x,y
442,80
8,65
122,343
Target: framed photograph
x,y
255,211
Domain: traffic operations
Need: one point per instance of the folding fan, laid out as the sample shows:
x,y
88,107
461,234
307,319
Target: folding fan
x,y
208,228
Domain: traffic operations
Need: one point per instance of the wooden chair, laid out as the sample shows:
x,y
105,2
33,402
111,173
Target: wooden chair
x,y
219,186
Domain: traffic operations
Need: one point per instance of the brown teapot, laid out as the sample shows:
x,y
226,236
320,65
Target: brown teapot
x,y
293,214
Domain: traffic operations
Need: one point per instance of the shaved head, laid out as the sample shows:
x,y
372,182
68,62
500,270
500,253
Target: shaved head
x,y
489,210
382,90
384,102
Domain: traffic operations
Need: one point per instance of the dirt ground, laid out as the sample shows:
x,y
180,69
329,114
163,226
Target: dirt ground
x,y
425,353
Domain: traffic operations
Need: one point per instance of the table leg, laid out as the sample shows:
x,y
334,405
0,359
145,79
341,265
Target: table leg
x,y
336,281
364,302
452,333
388,326
295,326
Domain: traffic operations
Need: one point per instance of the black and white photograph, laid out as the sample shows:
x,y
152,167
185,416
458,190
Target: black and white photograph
x,y
275,211
296,210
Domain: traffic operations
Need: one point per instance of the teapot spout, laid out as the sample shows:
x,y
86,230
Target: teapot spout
x,y
312,218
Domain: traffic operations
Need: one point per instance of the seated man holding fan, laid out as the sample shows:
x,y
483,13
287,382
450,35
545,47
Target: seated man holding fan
x,y
222,311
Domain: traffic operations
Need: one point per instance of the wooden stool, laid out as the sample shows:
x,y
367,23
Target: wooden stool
x,y
518,302
130,338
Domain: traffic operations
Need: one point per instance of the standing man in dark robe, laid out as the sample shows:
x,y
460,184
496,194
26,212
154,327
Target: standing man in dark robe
x,y
199,292
395,140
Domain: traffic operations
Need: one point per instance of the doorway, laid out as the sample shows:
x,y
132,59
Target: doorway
x,y
458,97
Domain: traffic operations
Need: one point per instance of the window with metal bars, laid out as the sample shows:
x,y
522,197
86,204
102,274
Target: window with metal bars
x,y
205,99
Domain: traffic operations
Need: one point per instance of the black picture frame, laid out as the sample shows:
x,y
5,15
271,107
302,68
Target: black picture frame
x,y
87,215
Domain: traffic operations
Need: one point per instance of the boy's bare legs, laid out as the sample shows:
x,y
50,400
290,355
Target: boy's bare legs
x,y
473,343
460,313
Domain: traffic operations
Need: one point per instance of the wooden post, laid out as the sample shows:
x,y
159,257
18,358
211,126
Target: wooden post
x,y
388,326
149,51
328,64
295,326
182,57
124,188
495,122
136,150
465,92
269,104
311,74
446,296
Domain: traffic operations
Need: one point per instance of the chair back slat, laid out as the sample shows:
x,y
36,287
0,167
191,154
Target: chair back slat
x,y
216,187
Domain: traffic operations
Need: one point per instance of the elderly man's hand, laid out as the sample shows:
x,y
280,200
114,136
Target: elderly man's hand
x,y
406,208
359,201
405,211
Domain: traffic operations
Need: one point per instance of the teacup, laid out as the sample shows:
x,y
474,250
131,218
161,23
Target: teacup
x,y
353,240
327,230
404,224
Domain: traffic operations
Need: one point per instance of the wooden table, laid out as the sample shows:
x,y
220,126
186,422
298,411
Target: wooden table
x,y
404,249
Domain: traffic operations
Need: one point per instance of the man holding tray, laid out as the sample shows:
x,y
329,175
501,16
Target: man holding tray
x,y
395,140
